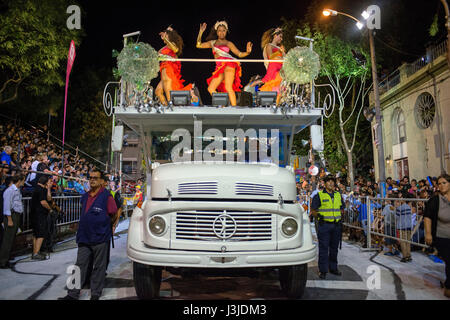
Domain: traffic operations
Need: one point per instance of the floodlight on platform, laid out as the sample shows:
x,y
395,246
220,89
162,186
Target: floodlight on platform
x,y
180,98
266,98
220,99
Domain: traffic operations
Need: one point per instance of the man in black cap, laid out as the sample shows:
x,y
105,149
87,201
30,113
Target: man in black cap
x,y
327,206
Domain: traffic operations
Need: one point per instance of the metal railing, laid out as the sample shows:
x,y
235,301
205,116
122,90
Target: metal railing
x,y
387,221
432,54
389,82
70,206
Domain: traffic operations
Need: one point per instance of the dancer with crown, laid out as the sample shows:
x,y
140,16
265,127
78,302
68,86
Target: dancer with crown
x,y
170,70
227,75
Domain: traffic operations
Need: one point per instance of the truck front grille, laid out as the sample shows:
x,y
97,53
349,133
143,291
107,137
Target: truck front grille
x,y
224,225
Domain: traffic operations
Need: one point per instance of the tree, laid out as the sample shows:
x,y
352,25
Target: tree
x,y
34,42
348,77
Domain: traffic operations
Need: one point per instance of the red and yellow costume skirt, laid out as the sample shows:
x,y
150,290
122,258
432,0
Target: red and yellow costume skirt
x,y
173,71
220,68
272,79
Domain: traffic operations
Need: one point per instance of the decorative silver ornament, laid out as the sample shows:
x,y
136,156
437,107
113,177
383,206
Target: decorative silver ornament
x,y
301,65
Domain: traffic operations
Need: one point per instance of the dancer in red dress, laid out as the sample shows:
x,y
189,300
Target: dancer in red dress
x,y
170,70
272,50
227,75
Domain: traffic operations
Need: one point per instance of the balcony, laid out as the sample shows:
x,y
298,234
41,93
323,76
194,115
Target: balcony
x,y
409,71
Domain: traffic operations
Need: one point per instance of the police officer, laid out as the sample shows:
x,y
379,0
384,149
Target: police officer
x,y
327,207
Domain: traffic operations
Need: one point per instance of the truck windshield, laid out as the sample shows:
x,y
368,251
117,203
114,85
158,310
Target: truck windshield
x,y
220,148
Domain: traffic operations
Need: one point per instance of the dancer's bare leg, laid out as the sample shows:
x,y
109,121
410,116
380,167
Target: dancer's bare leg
x,y
229,79
167,83
159,91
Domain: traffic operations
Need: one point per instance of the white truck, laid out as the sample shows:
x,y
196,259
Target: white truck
x,y
201,214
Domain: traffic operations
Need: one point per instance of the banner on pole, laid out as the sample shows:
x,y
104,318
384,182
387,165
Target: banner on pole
x,y
70,60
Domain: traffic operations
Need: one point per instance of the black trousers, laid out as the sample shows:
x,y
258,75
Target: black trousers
x,y
329,236
8,237
49,239
98,254
443,247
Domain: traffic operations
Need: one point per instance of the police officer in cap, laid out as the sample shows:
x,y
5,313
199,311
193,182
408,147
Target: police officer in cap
x,y
327,206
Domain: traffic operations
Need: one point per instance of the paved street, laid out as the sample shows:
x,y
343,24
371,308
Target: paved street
x,y
46,280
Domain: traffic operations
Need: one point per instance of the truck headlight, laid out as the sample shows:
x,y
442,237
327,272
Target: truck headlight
x,y
157,225
289,227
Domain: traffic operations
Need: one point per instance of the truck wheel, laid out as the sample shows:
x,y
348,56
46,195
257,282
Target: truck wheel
x,y
293,280
147,280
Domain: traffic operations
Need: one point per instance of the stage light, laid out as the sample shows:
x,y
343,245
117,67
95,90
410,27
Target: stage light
x,y
180,98
266,98
220,99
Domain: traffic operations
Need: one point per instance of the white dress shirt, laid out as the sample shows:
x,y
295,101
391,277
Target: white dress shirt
x,y
12,200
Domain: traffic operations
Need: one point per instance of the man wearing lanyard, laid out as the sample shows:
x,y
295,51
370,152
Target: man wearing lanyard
x,y
327,207
12,210
94,235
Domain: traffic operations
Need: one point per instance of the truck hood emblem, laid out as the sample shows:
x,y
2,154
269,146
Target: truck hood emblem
x,y
224,226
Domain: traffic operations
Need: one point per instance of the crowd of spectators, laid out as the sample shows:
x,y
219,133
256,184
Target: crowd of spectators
x,y
398,215
31,153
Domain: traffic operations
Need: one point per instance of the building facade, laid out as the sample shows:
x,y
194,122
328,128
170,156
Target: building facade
x,y
415,109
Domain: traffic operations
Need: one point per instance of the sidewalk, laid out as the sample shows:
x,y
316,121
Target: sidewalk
x,y
46,280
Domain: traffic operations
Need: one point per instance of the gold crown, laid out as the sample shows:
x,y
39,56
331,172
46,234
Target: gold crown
x,y
221,23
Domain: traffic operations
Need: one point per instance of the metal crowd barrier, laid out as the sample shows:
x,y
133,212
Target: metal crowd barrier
x,y
397,219
70,205
304,199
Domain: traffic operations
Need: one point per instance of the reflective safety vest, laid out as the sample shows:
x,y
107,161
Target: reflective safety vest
x,y
330,209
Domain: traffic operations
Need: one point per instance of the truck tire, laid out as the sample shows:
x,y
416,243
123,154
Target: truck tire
x,y
293,280
147,280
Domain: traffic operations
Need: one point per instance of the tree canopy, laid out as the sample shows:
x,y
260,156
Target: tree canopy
x,y
34,43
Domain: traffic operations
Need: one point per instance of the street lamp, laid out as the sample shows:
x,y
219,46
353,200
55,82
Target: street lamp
x,y
379,131
330,12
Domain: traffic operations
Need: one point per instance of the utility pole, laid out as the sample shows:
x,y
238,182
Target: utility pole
x,y
376,93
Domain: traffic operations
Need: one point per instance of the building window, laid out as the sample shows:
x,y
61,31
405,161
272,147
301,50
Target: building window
x,y
424,110
129,167
402,168
399,127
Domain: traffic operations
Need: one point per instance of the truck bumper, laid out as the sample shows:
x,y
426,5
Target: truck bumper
x,y
140,253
